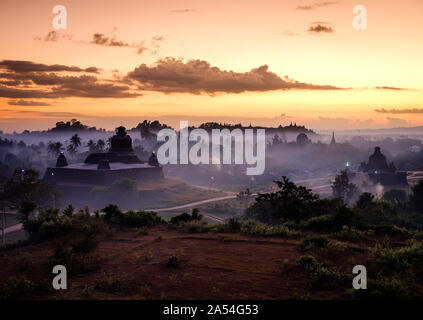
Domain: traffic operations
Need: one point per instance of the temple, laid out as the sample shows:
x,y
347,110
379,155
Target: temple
x,y
104,168
381,172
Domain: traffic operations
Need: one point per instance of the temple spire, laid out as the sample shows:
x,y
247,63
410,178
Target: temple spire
x,y
333,141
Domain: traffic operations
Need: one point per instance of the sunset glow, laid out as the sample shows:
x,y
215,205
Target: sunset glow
x,y
335,77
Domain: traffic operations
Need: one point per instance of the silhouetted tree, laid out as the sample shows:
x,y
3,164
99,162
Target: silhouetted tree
x,y
55,148
342,187
75,142
291,202
416,198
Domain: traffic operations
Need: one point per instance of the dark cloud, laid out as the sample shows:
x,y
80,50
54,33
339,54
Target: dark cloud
x,y
29,80
48,114
102,40
27,103
316,5
53,36
172,75
319,28
390,88
399,111
19,66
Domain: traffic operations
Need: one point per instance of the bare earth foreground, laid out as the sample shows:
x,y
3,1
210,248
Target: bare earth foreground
x,y
131,264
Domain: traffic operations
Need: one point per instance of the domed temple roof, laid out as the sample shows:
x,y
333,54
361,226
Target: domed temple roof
x,y
377,162
120,150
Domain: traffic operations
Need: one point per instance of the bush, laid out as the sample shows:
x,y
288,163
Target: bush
x,y
322,274
401,259
17,287
234,224
391,230
47,225
172,261
74,259
382,289
307,263
312,242
186,217
352,234
196,226
131,218
321,223
254,228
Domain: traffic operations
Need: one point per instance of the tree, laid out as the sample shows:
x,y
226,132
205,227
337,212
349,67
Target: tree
x,y
416,198
55,148
25,186
75,142
92,146
291,202
342,187
244,196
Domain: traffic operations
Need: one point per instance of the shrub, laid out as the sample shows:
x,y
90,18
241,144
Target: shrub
x,y
401,259
74,259
172,261
141,219
307,263
322,274
327,277
196,226
17,287
47,225
352,234
311,242
382,289
254,228
391,230
186,217
320,223
68,211
234,224
131,218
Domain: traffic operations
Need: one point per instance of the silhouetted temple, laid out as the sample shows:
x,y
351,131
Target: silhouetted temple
x,y
120,161
381,172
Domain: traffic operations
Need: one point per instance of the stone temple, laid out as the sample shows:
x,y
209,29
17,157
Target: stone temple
x,y
104,168
381,172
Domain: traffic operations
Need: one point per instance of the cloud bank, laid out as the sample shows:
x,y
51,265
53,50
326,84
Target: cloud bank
x,y
172,75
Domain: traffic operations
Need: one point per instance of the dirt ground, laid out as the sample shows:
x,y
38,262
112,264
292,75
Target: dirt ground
x,y
131,265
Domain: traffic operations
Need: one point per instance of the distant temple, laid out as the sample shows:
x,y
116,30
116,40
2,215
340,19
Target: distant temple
x,y
380,172
104,168
302,139
333,141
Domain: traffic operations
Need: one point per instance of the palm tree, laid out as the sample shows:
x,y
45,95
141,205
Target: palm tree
x,y
55,148
91,145
75,142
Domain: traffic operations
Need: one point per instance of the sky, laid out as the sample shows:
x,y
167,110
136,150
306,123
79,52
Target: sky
x,y
264,62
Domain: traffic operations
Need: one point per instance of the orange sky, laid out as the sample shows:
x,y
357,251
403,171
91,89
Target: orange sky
x,y
231,35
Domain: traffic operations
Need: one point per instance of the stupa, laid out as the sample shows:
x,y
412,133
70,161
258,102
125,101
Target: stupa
x,y
381,172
